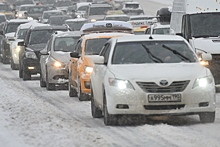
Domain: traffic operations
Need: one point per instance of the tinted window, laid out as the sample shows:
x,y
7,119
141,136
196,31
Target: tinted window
x,y
12,28
152,52
65,44
94,46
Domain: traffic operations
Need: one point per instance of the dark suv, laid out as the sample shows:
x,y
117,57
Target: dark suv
x,y
8,32
35,40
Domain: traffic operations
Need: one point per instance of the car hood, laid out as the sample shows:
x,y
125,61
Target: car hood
x,y
157,72
37,47
61,56
210,45
11,35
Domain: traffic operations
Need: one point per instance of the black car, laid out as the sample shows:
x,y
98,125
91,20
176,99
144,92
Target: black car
x,y
7,31
35,40
35,12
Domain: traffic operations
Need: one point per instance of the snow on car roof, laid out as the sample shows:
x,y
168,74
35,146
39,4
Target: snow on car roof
x,y
18,20
76,20
99,35
159,25
103,26
131,3
147,38
30,24
66,34
141,16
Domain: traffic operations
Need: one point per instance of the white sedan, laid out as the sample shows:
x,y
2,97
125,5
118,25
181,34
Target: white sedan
x,y
151,75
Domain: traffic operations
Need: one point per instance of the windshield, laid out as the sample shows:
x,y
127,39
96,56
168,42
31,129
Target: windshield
x,y
99,10
117,18
94,46
58,21
24,8
152,52
75,26
205,25
162,31
65,44
63,3
132,6
8,17
37,10
21,33
4,8
48,14
11,28
41,36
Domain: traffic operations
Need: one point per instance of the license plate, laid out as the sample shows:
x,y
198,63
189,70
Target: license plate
x,y
164,98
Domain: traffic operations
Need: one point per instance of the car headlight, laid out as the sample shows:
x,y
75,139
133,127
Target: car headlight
x,y
30,18
19,15
121,84
31,55
17,49
58,64
78,16
203,82
93,20
204,63
88,69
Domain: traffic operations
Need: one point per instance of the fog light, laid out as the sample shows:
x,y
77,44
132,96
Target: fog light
x,y
204,104
31,67
122,106
87,84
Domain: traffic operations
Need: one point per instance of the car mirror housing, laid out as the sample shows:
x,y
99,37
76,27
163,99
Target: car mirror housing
x,y
74,55
44,52
97,59
206,56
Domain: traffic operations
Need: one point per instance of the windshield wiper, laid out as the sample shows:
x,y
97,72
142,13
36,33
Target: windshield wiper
x,y
204,36
177,53
158,60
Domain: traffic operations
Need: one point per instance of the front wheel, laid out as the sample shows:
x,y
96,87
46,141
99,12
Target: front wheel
x,y
207,117
42,82
108,118
13,65
96,112
26,75
81,96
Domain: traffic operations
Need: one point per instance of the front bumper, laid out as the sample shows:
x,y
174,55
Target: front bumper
x,y
85,83
57,75
129,101
31,65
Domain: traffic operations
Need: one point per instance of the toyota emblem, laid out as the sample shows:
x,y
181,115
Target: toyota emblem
x,y
163,82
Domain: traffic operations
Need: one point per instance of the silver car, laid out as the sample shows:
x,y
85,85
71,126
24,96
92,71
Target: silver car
x,y
55,57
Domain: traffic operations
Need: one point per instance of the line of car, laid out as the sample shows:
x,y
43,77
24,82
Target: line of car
x,y
121,73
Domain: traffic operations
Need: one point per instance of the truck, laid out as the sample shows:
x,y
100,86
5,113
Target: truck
x,y
198,21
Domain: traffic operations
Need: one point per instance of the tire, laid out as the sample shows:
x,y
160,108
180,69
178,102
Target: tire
x,y
13,65
42,82
49,86
207,117
26,75
81,96
109,120
20,73
96,112
4,59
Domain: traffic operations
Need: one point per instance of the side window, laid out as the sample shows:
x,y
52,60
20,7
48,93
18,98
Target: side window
x,y
105,52
147,31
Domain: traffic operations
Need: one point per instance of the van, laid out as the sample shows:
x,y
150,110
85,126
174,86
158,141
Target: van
x,y
198,21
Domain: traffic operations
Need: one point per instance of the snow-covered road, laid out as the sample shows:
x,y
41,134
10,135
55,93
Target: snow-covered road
x,y
31,116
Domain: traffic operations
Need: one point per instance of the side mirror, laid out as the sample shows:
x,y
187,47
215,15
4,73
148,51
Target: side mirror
x,y
44,52
97,59
20,43
206,56
74,55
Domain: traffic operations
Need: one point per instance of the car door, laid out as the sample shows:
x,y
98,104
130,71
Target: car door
x,y
45,58
99,73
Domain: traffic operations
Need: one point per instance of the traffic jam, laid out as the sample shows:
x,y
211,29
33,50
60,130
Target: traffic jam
x,y
111,53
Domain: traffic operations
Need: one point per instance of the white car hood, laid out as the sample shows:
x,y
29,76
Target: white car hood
x,y
211,45
61,56
157,72
11,35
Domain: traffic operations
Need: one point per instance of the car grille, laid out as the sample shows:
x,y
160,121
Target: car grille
x,y
163,107
176,86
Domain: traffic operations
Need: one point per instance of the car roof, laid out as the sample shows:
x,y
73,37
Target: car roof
x,y
147,38
76,20
30,24
100,5
58,16
67,34
120,15
2,14
27,5
18,20
104,35
47,27
131,3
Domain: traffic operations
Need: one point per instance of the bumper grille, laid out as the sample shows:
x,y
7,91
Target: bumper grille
x,y
151,87
163,107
